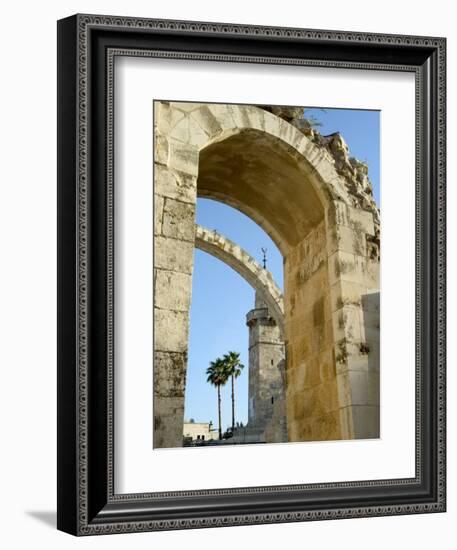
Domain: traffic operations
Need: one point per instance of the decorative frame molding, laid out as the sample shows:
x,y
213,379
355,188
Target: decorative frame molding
x,y
88,45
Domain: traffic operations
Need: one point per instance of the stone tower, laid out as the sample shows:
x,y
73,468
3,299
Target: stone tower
x,y
267,415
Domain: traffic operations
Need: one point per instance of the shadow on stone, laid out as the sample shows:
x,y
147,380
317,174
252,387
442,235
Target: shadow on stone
x,y
371,319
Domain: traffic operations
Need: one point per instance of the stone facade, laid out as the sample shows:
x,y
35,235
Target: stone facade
x,y
174,230
266,375
315,202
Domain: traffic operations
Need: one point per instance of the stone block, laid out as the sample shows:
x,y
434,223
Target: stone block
x,y
309,267
185,106
297,405
297,431
171,330
158,214
162,118
224,116
344,389
361,220
166,116
340,263
175,185
296,377
325,336
161,149
299,348
318,311
243,117
346,423
326,427
348,323
183,157
347,240
311,152
172,290
318,338
326,170
178,220
189,131
348,216
256,117
168,422
169,374
290,135
327,394
180,132
271,123
357,357
206,120
337,214
372,274
333,240
310,403
312,373
347,267
173,254
327,365
346,293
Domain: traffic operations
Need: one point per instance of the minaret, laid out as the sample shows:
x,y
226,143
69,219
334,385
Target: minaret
x,y
266,362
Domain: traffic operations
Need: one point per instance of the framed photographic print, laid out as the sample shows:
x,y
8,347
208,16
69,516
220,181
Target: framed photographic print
x,y
251,274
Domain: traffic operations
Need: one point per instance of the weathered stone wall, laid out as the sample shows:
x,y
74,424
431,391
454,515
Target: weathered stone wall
x,y
276,429
333,336
174,234
313,200
354,279
312,387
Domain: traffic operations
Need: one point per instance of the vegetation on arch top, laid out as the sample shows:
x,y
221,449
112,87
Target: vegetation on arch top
x,y
353,171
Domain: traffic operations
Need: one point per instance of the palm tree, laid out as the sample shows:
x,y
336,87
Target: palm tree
x,y
217,376
233,367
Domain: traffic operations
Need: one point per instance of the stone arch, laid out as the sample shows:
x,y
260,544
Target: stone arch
x,y
245,265
264,166
196,131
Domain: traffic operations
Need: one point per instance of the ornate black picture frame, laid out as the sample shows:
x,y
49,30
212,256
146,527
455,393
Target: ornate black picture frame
x,y
87,503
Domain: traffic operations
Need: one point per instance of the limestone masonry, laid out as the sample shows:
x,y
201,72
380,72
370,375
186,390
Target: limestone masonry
x,y
314,353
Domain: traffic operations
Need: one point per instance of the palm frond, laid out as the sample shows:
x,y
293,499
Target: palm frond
x,y
217,373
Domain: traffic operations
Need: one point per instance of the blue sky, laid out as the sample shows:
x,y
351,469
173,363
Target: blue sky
x,y
221,298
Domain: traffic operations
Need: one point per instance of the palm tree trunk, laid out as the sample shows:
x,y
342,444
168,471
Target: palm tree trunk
x,y
233,403
219,410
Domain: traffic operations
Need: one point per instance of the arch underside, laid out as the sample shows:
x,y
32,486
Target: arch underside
x,y
257,174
